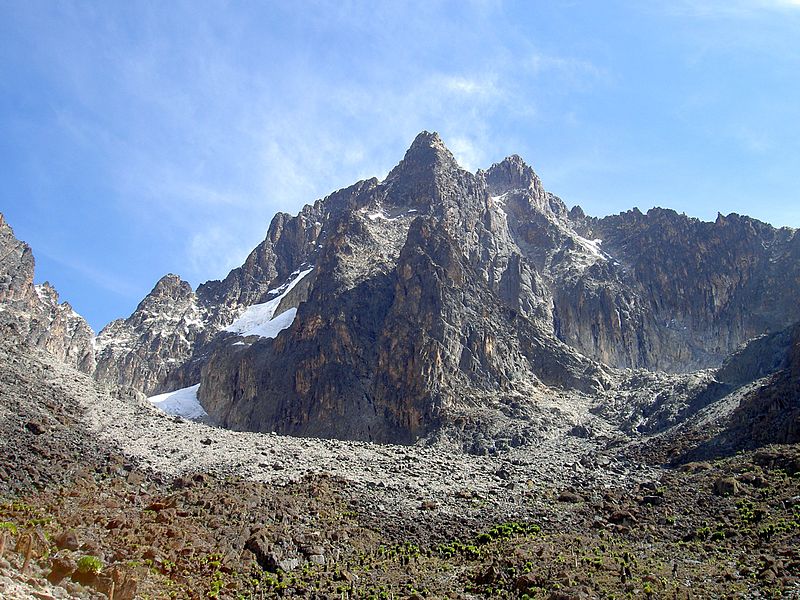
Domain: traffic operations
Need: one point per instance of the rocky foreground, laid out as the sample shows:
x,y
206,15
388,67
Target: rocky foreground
x,y
102,496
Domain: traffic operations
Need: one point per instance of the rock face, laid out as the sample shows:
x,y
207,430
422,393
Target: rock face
x,y
692,292
392,309
771,412
34,311
159,336
403,321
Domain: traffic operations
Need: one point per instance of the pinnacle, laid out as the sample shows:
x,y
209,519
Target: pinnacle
x,y
169,284
427,139
426,152
169,278
429,145
511,173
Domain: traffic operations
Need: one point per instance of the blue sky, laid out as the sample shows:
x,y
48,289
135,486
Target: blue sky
x,y
140,138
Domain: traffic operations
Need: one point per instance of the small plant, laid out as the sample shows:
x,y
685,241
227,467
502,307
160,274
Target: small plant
x,y
8,526
702,533
484,538
217,583
90,565
749,513
469,551
718,536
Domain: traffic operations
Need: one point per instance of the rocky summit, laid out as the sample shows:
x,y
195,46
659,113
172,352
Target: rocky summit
x,y
434,296
443,384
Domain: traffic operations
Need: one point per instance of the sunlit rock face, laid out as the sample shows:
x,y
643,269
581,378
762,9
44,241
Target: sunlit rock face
x,y
34,311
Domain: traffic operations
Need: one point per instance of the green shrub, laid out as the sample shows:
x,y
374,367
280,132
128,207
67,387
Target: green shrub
x,y
8,526
90,565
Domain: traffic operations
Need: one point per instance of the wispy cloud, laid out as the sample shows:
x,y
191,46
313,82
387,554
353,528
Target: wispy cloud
x,y
539,62
484,87
104,279
204,136
738,9
752,140
216,249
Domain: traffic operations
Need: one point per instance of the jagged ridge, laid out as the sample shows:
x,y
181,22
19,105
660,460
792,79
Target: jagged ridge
x,y
437,293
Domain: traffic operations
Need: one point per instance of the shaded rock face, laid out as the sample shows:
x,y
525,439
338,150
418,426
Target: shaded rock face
x,y
752,400
771,414
34,310
438,292
684,293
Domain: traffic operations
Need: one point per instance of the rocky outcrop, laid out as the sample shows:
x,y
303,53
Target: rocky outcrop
x,y
34,311
156,339
16,262
290,242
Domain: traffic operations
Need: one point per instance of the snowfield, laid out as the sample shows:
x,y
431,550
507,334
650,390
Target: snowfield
x,y
260,319
182,403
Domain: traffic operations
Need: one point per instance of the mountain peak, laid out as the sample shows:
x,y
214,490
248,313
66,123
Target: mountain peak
x,y
426,152
512,173
427,139
171,285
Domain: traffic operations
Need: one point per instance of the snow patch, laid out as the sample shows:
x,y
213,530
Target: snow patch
x,y
500,203
260,319
193,321
592,246
183,403
266,326
379,214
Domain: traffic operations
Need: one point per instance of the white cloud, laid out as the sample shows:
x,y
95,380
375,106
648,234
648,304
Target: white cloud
x,y
780,4
468,154
467,86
